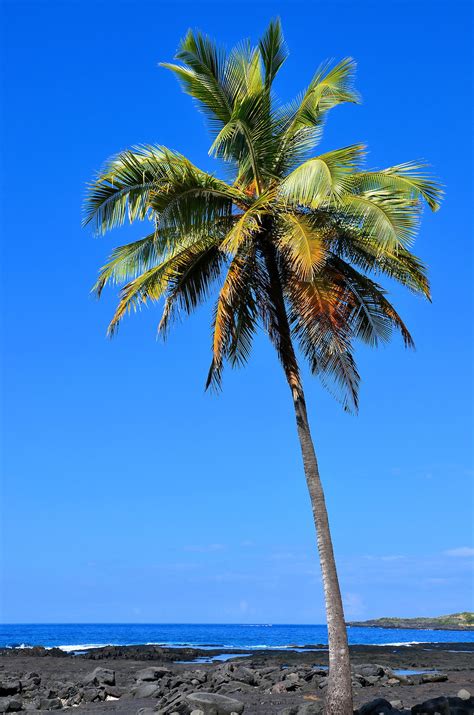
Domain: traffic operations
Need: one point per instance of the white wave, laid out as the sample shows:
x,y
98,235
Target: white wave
x,y
80,646
405,643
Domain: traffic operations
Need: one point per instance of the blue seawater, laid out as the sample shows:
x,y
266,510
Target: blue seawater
x,y
231,636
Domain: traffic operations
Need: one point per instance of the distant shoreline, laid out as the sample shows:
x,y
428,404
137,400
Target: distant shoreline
x,y
454,622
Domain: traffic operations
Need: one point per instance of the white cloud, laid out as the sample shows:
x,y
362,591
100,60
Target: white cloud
x,y
461,551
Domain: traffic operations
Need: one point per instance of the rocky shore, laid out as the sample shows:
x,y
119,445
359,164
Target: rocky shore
x,y
453,622
141,680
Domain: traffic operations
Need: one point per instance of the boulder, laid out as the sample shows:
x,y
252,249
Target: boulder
x,y
33,704
92,695
433,678
30,682
432,706
457,704
396,704
380,705
245,675
10,705
464,694
9,686
369,669
147,690
153,673
100,676
115,691
214,704
313,708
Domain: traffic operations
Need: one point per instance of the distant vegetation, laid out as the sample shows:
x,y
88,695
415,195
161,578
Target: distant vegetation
x,y
454,622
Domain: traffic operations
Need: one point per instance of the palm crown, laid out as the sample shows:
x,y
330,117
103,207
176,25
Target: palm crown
x,y
296,239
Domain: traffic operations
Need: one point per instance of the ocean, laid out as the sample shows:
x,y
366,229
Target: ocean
x,y
71,637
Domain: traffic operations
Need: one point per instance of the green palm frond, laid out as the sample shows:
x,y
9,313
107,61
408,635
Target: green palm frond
x,y
273,51
243,229
384,216
409,179
302,240
201,74
369,314
366,254
323,178
189,283
153,283
122,188
328,88
248,141
127,262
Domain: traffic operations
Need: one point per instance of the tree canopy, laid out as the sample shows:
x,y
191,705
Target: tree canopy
x,y
291,230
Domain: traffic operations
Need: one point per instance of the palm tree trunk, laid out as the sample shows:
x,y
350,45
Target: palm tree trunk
x,y
339,689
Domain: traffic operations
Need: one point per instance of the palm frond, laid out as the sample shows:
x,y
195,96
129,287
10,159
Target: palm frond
x,y
323,178
302,241
247,140
328,88
152,284
186,197
235,316
201,75
127,262
384,216
317,324
243,229
367,254
122,188
189,283
273,51
409,179
368,314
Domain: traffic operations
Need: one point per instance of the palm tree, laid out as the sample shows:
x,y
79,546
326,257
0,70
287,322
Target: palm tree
x,y
296,241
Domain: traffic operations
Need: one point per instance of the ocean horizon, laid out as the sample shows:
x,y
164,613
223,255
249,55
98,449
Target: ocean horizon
x,y
72,637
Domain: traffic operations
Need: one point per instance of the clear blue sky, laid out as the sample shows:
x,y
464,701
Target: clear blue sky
x,y
129,493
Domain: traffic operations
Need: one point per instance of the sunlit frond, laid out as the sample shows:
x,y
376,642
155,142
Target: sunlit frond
x,y
323,178
244,228
302,241
386,217
410,180
328,88
122,188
